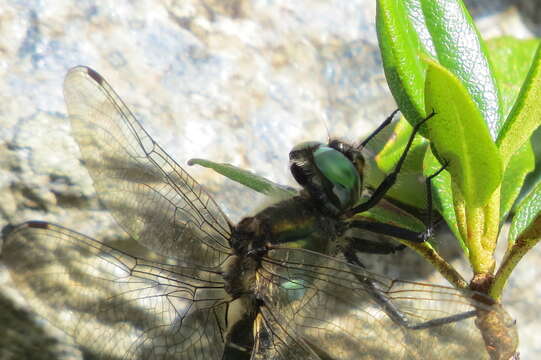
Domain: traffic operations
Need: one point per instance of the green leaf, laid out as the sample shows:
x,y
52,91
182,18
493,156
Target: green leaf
x,y
388,213
525,116
443,29
246,178
528,210
524,234
418,21
442,195
400,46
513,60
460,136
461,50
393,149
521,164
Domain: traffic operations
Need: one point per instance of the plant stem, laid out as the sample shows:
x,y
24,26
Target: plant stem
x,y
443,267
527,240
482,227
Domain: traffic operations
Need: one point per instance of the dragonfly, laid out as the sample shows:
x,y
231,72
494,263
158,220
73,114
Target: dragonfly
x,y
193,285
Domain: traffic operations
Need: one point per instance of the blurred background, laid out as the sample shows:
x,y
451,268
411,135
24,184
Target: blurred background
x,y
233,81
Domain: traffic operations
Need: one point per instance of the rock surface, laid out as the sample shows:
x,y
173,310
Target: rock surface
x,y
232,81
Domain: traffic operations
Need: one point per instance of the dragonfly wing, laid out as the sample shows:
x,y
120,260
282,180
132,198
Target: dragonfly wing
x,y
148,193
114,304
328,304
273,341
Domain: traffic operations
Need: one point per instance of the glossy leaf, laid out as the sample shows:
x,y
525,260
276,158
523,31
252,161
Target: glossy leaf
x,y
521,164
445,31
246,178
524,234
417,19
527,211
442,194
525,116
388,213
512,59
460,49
461,136
400,46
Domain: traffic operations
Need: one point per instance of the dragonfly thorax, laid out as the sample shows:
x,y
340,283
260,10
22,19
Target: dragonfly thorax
x,y
296,222
330,173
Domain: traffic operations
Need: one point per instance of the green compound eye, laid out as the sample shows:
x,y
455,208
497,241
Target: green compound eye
x,y
339,170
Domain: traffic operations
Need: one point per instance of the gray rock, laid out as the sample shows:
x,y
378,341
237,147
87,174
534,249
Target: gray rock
x,y
234,81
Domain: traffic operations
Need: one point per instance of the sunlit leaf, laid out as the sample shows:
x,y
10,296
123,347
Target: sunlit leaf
x,y
521,164
400,46
461,50
511,59
442,194
461,136
527,211
525,116
246,178
445,31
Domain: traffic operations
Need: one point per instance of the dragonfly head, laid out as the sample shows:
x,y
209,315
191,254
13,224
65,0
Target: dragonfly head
x,y
330,173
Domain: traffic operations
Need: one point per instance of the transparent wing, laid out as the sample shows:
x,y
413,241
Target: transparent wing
x,y
148,193
275,341
114,304
330,306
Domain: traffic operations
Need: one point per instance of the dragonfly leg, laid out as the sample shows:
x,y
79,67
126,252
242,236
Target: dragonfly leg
x,y
384,124
391,309
392,230
390,179
428,183
373,246
401,233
